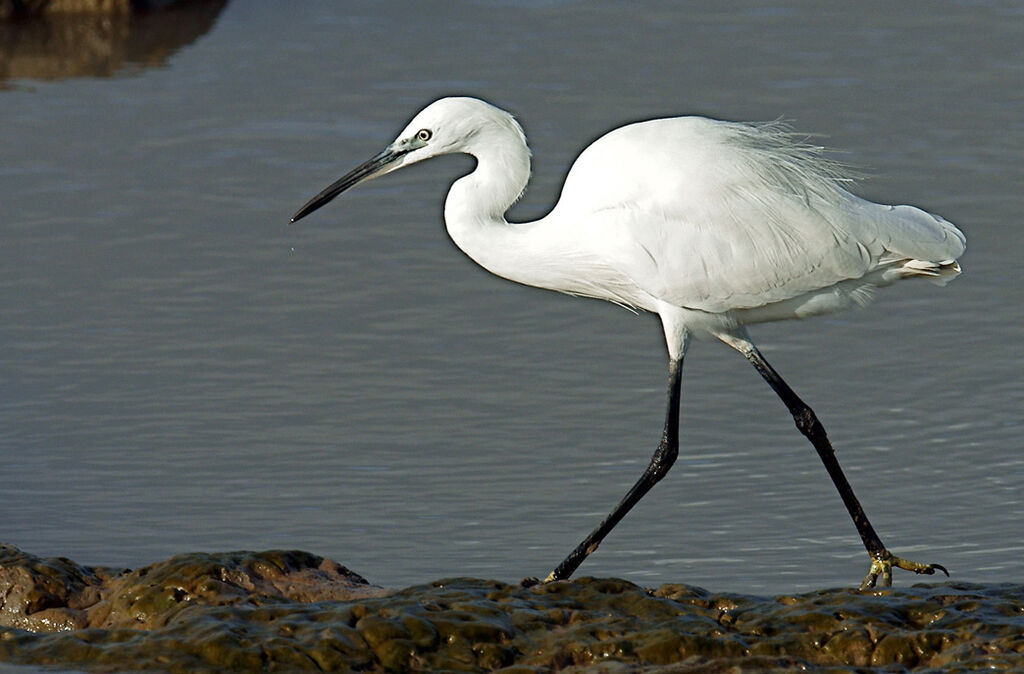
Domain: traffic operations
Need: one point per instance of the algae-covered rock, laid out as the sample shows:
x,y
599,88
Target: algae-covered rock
x,y
293,611
46,595
53,595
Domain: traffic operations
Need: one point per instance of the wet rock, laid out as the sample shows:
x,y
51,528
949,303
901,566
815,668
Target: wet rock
x,y
293,611
53,595
46,595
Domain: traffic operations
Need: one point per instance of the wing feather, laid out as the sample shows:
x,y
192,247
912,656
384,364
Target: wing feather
x,y
720,216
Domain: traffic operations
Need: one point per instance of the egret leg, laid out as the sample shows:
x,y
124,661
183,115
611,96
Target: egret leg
x,y
882,561
663,458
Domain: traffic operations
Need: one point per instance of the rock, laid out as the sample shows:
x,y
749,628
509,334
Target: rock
x,y
45,595
294,611
53,595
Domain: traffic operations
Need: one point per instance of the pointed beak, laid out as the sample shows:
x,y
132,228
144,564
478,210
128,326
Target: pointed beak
x,y
386,161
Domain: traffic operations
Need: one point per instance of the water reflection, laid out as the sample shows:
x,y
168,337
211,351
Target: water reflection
x,y
56,47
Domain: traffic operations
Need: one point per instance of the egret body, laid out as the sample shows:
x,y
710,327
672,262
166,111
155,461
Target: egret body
x,y
711,225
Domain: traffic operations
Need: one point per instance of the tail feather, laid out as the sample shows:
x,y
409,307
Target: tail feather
x,y
939,273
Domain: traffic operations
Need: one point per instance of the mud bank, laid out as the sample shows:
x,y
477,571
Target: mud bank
x,y
291,610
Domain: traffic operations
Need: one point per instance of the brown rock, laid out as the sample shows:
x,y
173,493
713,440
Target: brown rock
x,y
51,595
293,611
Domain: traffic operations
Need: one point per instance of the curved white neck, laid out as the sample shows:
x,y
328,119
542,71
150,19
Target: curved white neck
x,y
474,211
547,253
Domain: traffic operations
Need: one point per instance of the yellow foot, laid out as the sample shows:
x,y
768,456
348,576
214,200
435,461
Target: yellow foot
x,y
880,573
531,581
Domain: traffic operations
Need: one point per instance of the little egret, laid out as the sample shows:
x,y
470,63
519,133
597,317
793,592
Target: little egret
x,y
711,225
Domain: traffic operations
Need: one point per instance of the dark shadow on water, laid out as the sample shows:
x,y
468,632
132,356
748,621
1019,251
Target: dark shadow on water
x,y
60,46
294,611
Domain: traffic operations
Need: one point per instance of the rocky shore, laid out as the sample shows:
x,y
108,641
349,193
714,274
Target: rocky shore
x,y
294,611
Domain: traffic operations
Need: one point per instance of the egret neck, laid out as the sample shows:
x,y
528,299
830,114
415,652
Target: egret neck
x,y
474,211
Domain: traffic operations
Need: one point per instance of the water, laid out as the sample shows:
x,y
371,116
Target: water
x,y
181,370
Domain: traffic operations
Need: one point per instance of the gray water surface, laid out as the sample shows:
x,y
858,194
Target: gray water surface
x,y
181,370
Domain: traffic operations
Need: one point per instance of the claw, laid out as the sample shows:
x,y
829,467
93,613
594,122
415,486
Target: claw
x,y
532,581
880,573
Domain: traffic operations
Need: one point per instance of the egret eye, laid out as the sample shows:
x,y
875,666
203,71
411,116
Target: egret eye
x,y
423,134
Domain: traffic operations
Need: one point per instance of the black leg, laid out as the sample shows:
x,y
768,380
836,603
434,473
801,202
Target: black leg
x,y
664,457
882,560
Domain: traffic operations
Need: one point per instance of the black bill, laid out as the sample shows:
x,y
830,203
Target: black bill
x,y
375,166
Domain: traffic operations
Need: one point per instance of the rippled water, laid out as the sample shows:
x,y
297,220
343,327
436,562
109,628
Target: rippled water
x,y
181,370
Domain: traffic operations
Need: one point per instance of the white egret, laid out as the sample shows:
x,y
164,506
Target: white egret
x,y
712,225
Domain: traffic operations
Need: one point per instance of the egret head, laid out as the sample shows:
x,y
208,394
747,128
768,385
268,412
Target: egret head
x,y
449,125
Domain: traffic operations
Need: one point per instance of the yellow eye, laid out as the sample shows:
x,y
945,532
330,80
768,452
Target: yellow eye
x,y
423,134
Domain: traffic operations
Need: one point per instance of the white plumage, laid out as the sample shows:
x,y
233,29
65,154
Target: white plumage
x,y
712,225
702,214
